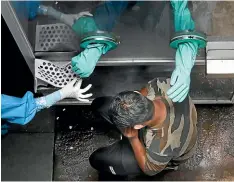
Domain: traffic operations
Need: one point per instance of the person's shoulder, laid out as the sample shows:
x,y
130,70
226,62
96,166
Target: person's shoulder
x,y
160,85
160,79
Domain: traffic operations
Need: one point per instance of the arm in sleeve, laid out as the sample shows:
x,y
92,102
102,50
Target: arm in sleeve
x,y
155,163
48,101
18,110
108,13
149,162
22,110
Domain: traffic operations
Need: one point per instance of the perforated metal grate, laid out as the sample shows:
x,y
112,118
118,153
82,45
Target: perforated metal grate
x,y
56,37
55,75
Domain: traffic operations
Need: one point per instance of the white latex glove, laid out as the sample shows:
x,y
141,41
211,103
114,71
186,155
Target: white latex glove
x,y
73,90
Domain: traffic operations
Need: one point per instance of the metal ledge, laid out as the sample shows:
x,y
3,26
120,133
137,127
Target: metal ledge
x,y
118,61
73,102
76,102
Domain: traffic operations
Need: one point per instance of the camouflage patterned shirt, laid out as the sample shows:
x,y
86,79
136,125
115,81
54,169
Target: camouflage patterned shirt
x,y
175,137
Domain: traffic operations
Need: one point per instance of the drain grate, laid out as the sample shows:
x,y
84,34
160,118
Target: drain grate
x,y
55,75
56,37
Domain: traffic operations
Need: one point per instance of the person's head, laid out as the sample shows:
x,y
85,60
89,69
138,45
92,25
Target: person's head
x,y
131,109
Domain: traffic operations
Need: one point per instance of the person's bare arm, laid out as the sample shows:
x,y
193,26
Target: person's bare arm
x,y
146,166
139,150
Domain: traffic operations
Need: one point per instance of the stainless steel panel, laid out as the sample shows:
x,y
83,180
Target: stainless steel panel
x,y
220,68
18,33
139,41
56,37
220,57
220,43
21,12
145,36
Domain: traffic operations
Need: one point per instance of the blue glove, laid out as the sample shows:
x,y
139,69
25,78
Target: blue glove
x,y
180,79
29,8
32,7
84,63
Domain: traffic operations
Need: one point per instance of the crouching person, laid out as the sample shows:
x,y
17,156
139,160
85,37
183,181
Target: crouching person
x,y
157,133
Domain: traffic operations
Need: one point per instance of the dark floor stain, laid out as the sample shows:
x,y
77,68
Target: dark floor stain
x,y
207,125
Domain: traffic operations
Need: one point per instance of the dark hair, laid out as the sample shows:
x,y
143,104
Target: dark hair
x,y
129,108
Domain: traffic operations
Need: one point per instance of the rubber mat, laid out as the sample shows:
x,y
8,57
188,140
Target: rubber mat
x,y
27,157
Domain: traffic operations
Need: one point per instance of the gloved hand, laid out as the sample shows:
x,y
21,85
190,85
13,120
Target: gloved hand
x,y
68,19
84,63
81,23
84,24
182,16
28,8
71,90
180,79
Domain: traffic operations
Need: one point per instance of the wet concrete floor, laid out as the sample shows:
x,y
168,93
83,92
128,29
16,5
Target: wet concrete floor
x,y
79,133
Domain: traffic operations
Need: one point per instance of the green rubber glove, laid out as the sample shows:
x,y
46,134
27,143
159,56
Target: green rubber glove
x,y
180,79
182,16
84,63
185,54
84,25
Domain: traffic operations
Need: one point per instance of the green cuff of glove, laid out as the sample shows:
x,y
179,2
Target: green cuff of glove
x,y
84,63
84,25
100,47
186,56
104,48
